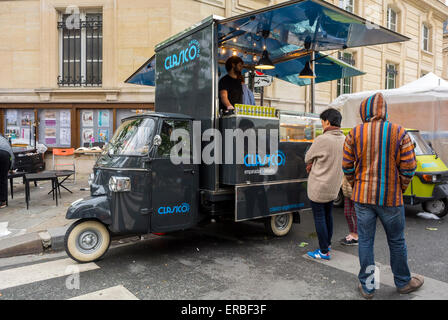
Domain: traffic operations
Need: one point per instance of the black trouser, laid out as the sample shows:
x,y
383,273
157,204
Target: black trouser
x,y
5,163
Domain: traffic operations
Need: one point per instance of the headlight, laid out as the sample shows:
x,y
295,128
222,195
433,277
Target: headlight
x,y
91,178
120,184
429,178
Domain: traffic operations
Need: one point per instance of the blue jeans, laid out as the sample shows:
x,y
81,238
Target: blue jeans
x,y
393,221
323,220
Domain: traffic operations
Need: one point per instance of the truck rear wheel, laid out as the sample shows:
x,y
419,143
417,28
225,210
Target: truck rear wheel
x,y
279,225
87,241
437,207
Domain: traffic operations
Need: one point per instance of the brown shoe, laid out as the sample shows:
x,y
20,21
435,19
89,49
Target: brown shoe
x,y
415,283
364,294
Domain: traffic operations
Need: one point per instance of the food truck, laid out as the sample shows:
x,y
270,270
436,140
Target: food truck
x,y
140,186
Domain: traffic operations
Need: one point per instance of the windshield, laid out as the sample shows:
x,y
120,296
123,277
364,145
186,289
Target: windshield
x,y
421,147
132,138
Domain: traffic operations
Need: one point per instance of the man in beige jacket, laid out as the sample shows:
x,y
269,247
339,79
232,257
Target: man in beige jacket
x,y
324,161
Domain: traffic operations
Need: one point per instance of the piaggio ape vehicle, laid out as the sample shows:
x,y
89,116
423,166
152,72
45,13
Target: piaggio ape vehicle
x,y
429,187
136,188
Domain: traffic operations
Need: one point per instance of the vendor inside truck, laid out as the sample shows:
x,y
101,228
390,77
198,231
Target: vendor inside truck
x,y
230,86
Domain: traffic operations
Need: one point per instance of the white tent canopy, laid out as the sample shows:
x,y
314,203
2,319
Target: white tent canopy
x,y
429,88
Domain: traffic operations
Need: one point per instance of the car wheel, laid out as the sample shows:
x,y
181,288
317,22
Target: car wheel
x,y
87,241
437,207
279,225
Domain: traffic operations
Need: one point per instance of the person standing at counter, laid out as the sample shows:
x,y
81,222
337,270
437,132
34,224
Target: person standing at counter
x,y
6,164
379,163
324,162
230,87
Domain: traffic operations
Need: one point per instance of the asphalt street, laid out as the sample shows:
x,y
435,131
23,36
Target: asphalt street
x,y
230,261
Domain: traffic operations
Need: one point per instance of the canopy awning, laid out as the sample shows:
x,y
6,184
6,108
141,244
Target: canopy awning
x,y
290,32
146,74
327,68
296,27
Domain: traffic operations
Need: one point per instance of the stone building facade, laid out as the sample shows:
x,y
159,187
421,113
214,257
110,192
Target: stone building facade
x,y
445,50
47,67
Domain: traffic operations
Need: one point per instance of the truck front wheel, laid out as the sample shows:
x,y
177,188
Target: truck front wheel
x,y
437,207
279,225
87,240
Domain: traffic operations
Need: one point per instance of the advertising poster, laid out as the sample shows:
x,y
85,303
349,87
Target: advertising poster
x,y
14,132
27,118
87,118
103,118
64,118
11,117
50,118
65,136
50,136
103,135
87,135
25,133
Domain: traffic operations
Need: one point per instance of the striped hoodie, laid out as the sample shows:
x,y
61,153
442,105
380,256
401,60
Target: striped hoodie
x,y
378,158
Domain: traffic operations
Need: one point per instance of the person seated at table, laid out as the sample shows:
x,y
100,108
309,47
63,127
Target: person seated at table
x,y
6,164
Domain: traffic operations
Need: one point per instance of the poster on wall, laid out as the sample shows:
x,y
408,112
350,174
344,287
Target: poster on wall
x,y
103,135
87,118
65,136
87,135
50,118
27,118
14,132
11,117
50,136
64,117
103,118
25,133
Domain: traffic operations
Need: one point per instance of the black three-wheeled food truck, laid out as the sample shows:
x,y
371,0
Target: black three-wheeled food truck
x,y
137,188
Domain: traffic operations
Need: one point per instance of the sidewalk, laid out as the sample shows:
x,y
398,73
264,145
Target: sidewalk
x,y
43,226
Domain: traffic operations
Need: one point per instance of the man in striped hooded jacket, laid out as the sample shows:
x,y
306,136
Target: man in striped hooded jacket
x,y
379,162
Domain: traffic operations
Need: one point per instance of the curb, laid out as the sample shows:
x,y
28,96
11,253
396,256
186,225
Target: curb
x,y
51,240
33,243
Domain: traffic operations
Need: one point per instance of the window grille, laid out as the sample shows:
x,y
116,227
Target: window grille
x,y
81,46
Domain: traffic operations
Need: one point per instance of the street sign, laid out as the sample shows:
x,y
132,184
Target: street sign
x,y
261,80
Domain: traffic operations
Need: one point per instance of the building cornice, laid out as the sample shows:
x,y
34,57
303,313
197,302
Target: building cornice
x,y
440,9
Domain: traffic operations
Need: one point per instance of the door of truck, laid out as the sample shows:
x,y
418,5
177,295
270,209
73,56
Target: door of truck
x,y
175,187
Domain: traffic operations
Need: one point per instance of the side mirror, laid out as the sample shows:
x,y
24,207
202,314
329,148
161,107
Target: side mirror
x,y
157,141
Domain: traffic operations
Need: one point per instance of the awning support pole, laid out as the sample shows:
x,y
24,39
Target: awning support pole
x,y
313,82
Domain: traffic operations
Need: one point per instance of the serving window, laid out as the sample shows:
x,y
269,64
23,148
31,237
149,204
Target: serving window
x,y
298,128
